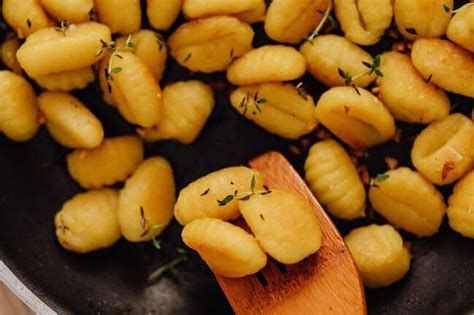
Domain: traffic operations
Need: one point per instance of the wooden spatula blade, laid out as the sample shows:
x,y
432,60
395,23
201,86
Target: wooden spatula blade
x,y
325,283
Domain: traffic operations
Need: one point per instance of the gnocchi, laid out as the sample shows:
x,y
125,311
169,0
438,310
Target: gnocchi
x,y
284,225
379,254
407,94
269,63
18,107
254,15
227,249
111,162
444,151
69,121
326,54
202,8
440,59
74,11
8,55
25,17
422,18
362,21
121,16
162,14
290,21
146,202
88,221
104,84
205,197
461,28
277,108
187,106
408,201
50,51
209,45
67,80
461,205
334,180
361,121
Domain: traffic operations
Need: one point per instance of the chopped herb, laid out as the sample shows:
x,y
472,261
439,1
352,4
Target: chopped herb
x,y
301,91
374,68
156,243
181,251
345,75
326,17
411,31
261,217
116,70
160,40
169,267
245,198
380,178
256,101
206,192
63,26
187,57
447,9
232,183
28,22
91,14
429,78
226,200
252,184
63,226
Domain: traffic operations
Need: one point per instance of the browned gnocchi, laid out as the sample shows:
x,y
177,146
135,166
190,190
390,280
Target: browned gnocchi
x,y
254,15
67,80
73,11
461,28
461,206
8,54
162,14
120,16
25,16
202,8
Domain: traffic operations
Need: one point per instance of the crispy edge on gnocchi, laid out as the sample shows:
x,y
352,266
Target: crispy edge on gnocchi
x,y
25,16
193,9
146,202
111,162
408,201
334,180
120,16
444,151
461,206
8,54
67,80
88,221
227,249
461,28
276,107
162,14
379,254
73,11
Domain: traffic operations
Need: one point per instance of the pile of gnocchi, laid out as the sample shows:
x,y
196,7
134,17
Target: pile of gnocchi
x,y
56,47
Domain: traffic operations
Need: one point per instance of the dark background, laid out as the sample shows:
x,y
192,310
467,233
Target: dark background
x,y
34,183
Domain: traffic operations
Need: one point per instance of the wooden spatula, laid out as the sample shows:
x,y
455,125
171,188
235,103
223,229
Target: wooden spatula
x,y
327,282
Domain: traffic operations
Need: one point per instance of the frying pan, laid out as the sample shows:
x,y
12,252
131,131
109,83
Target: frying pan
x,y
34,183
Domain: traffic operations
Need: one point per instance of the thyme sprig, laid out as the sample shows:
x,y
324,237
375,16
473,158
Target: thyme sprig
x,y
373,68
248,101
170,267
326,18
380,178
302,91
244,195
63,26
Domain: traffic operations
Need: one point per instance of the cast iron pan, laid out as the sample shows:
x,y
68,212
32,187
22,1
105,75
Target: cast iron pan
x,y
34,183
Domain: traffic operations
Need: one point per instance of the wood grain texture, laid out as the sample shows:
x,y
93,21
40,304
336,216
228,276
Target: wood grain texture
x,y
327,282
10,304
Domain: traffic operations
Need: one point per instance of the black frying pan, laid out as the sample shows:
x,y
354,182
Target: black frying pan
x,y
34,183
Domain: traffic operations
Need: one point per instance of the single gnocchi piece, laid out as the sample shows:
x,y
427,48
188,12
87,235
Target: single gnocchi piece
x,y
284,225
227,249
88,221
361,121
216,194
67,80
150,47
461,206
193,9
290,21
422,18
111,162
379,254
74,11
51,51
146,202
69,121
25,16
276,107
134,89
408,96
408,201
364,22
444,151
461,28
186,108
326,54
8,54
121,16
162,14
449,66
254,15
271,63
334,180
18,107
209,45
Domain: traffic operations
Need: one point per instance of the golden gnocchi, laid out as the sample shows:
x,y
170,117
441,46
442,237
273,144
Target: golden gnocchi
x,y
254,15
74,11
209,45
269,63
227,249
8,54
112,162
146,201
362,21
25,17
379,254
69,121
361,121
284,225
461,206
444,151
440,59
67,80
326,54
88,221
186,108
408,201
290,21
277,108
202,8
208,196
18,107
334,180
461,28
120,16
162,14
407,94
